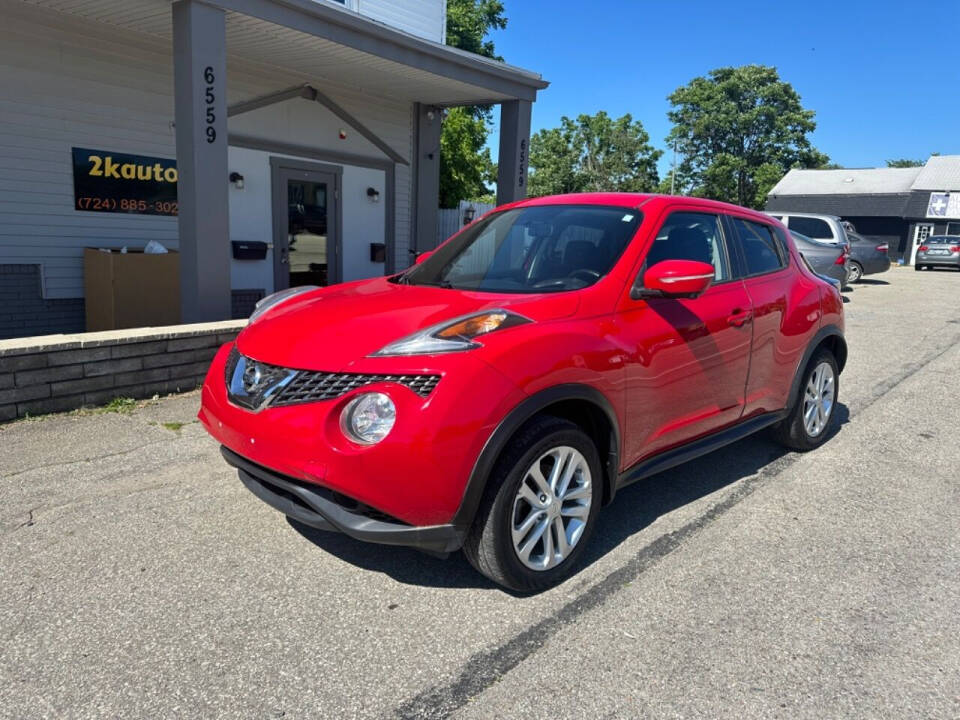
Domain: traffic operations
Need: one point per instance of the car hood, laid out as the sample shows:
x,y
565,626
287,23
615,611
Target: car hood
x,y
329,328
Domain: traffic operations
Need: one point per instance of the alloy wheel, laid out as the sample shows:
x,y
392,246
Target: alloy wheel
x,y
818,399
551,508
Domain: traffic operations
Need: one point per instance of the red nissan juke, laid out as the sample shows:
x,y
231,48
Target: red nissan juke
x,y
495,395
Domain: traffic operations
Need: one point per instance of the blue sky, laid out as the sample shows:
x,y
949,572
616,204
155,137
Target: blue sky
x,y
883,77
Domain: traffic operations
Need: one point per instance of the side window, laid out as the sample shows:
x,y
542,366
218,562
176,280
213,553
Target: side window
x,y
691,236
760,250
812,227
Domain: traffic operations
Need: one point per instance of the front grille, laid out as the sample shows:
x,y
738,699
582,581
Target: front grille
x,y
310,386
256,385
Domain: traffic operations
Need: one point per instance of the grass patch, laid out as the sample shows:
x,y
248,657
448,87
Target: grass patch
x,y
173,426
120,405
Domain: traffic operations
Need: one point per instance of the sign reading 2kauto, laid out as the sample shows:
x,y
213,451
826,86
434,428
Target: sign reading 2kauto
x,y
106,181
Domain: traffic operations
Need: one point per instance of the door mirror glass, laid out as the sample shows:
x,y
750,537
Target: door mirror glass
x,y
675,278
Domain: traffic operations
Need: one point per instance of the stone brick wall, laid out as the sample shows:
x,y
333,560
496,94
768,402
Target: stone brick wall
x,y
63,372
23,310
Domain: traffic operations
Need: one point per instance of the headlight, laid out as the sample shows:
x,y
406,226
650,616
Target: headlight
x,y
368,418
271,301
454,335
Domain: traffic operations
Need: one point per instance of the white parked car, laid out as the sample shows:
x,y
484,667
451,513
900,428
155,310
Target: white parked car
x,y
825,228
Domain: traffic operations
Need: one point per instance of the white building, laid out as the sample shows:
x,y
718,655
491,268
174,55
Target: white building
x,y
310,126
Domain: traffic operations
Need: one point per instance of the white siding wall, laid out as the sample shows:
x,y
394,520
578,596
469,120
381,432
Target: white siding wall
x,y
59,90
66,83
423,18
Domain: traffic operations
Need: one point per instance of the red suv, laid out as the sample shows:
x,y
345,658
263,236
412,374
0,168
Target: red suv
x,y
495,395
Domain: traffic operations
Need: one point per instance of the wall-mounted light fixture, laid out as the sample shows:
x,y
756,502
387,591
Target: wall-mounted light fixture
x,y
468,214
237,180
373,195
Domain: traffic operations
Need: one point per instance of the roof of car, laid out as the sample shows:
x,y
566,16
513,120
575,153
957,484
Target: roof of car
x,y
633,200
790,213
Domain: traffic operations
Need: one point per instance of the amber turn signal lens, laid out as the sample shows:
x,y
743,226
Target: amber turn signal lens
x,y
474,326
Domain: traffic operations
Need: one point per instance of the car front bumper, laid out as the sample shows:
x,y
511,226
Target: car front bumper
x,y
323,509
417,475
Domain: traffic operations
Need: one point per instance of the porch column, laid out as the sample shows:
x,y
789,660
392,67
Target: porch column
x,y
427,169
200,104
514,150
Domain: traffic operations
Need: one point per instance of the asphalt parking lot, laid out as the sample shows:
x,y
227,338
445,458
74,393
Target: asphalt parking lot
x,y
141,579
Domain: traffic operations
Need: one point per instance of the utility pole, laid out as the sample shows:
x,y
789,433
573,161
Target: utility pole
x,y
673,172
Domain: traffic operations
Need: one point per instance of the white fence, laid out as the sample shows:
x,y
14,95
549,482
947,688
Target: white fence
x,y
450,220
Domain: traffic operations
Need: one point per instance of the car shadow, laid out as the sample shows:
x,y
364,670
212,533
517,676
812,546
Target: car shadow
x,y
870,281
634,508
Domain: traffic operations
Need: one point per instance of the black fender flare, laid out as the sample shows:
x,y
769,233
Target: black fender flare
x,y
827,331
526,409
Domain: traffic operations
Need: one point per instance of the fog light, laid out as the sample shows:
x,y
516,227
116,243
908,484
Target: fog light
x,y
368,418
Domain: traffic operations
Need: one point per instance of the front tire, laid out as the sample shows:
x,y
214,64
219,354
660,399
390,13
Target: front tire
x,y
812,418
539,508
918,268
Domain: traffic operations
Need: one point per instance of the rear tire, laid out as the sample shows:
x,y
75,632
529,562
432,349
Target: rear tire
x,y
918,268
814,410
503,542
856,272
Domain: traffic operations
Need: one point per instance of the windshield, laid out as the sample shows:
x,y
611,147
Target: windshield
x,y
545,248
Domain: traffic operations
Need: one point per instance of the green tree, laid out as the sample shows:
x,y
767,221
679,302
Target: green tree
x,y
593,153
737,131
905,163
465,163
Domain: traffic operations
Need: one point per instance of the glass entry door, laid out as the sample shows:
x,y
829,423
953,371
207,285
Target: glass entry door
x,y
306,228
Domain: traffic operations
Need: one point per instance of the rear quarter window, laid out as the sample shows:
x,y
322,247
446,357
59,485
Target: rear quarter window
x,y
812,227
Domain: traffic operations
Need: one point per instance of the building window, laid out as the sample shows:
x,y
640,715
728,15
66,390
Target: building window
x,y
953,228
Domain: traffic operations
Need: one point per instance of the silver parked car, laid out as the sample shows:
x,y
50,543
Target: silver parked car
x,y
825,258
938,251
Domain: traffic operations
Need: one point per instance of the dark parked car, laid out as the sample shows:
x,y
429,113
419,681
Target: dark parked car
x,y
867,257
825,258
938,251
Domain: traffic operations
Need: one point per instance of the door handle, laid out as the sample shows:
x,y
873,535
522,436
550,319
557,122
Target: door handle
x,y
739,318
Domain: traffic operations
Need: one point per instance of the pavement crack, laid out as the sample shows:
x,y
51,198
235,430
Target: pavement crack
x,y
67,463
29,522
487,667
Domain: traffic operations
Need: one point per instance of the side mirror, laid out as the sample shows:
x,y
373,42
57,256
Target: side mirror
x,y
674,278
422,256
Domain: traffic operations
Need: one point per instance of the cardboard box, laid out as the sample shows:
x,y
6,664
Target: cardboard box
x,y
132,289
